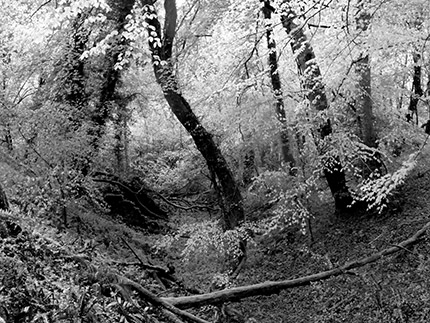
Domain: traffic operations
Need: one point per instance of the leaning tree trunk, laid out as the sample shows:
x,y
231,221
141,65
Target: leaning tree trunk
x,y
287,153
311,82
161,49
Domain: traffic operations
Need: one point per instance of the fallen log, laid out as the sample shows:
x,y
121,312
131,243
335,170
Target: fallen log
x,y
150,297
268,288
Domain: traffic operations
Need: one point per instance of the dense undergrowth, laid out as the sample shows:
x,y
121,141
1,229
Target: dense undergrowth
x,y
49,274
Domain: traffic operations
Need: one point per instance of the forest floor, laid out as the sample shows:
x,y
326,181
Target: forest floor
x,y
394,289
54,282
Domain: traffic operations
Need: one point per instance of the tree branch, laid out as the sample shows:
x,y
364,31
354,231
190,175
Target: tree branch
x,y
128,189
268,288
146,294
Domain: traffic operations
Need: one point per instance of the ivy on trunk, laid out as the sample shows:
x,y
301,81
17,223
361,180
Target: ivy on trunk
x,y
315,92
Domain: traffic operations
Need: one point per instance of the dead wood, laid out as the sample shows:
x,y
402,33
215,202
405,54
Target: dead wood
x,y
153,299
185,208
123,284
133,193
268,288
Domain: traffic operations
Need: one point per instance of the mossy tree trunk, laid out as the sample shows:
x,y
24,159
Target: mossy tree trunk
x,y
110,101
287,154
311,82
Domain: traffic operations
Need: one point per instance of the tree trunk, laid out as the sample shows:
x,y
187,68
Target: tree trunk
x,y
8,139
231,198
286,150
362,69
121,142
72,78
4,204
315,92
109,97
417,90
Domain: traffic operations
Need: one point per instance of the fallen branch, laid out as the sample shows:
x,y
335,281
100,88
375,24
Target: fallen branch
x,y
147,295
185,208
149,266
143,263
133,193
123,283
268,288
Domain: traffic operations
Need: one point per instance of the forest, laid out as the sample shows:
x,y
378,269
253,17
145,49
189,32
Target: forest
x,y
214,161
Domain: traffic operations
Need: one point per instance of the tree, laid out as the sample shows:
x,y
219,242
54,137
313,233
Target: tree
x,y
311,82
110,101
417,91
363,71
4,204
275,79
160,45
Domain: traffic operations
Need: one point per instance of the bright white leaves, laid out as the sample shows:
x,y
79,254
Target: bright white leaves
x,y
376,192
68,10
101,47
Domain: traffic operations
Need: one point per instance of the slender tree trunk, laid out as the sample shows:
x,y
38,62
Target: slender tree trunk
x,y
248,166
286,150
161,49
72,75
417,91
4,204
120,137
362,69
8,139
311,82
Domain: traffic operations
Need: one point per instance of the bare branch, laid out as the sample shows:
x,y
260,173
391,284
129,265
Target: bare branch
x,y
40,7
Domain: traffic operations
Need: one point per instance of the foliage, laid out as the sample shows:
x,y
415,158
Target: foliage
x,y
375,192
205,238
220,60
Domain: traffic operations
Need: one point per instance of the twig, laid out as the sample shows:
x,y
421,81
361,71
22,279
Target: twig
x,y
125,187
403,248
40,7
146,266
185,208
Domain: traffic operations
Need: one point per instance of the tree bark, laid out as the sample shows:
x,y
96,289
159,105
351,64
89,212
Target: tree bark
x,y
286,150
364,104
109,97
4,204
161,49
315,92
268,288
417,91
74,91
